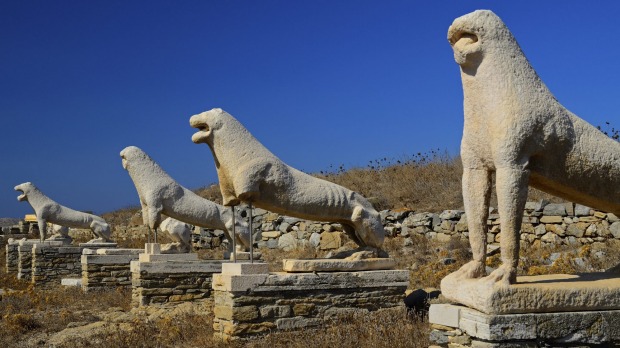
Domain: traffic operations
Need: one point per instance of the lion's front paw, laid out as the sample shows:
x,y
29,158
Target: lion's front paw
x,y
504,275
472,269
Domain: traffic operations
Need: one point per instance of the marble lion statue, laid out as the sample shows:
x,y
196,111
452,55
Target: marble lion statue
x,y
60,233
160,194
48,210
250,173
514,127
180,233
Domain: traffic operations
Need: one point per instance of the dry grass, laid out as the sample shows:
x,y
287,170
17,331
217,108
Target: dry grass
x,y
387,328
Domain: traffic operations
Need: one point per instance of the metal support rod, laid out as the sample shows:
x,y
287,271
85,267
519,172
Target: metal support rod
x,y
155,235
251,237
148,234
234,237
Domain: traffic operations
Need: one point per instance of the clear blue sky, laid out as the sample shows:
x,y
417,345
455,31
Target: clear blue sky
x,y
318,82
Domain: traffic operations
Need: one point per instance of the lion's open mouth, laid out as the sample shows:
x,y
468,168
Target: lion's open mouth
x,y
203,129
21,197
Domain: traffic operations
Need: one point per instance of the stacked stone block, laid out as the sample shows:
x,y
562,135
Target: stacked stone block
x,y
50,263
12,257
250,304
173,282
107,268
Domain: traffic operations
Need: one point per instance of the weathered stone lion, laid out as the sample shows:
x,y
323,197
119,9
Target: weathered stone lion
x,y
47,210
60,233
248,172
160,194
181,235
515,128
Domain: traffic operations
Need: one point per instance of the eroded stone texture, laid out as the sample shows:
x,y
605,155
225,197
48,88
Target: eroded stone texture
x,y
101,270
51,263
172,283
452,323
534,294
160,194
48,210
248,172
181,235
516,128
330,265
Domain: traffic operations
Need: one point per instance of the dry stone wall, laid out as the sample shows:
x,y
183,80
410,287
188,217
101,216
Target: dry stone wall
x,y
543,223
12,257
101,271
254,304
170,283
51,263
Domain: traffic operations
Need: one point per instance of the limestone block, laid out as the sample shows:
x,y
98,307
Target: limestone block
x,y
587,327
167,257
271,234
551,219
315,240
71,282
326,265
275,311
444,314
615,229
577,230
287,242
297,323
600,215
534,294
330,240
582,210
240,268
557,229
555,209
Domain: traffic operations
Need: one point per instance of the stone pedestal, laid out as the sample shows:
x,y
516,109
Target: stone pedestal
x,y
24,256
51,263
251,301
170,279
12,257
107,267
554,309
99,245
458,326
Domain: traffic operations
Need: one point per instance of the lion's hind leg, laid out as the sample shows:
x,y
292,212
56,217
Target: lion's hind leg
x,y
102,230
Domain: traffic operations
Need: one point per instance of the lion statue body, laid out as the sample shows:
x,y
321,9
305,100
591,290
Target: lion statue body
x,y
60,233
514,127
160,194
181,235
48,210
250,173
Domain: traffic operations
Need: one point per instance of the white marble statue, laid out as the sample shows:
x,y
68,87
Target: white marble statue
x,y
515,128
60,233
250,173
48,210
161,194
181,235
